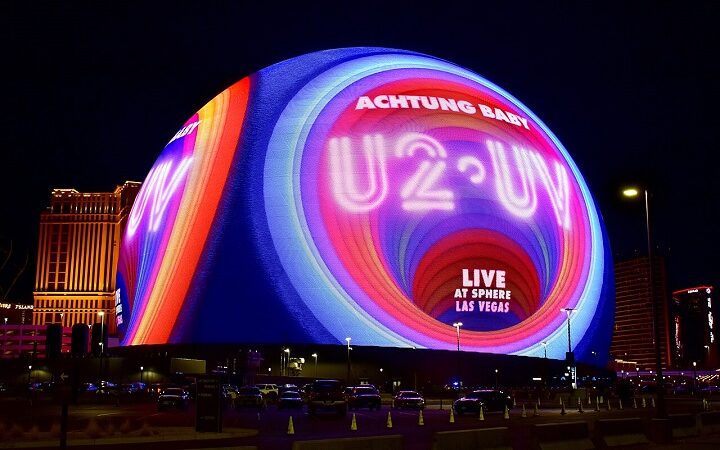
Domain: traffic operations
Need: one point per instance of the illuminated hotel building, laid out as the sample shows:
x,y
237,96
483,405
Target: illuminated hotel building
x,y
633,338
694,330
77,256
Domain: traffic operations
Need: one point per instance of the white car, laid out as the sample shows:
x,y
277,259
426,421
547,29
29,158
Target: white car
x,y
268,389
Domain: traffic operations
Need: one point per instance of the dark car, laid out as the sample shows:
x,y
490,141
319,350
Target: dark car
x,y
489,400
326,395
363,397
290,400
249,397
172,398
408,399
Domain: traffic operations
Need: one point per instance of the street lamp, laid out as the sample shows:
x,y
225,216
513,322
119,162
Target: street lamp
x,y
29,374
694,376
657,313
141,373
315,355
544,344
102,331
286,367
496,379
347,339
457,326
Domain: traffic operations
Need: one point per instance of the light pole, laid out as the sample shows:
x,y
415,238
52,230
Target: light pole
x,y
544,344
347,339
457,326
315,355
102,341
657,312
141,373
570,357
694,376
287,361
496,379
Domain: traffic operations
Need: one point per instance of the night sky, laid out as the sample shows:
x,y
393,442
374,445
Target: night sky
x,y
92,92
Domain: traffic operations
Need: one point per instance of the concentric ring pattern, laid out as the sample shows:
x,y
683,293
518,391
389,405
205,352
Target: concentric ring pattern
x,y
369,193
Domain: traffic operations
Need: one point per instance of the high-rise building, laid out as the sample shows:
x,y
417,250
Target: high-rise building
x,y
78,247
633,339
694,331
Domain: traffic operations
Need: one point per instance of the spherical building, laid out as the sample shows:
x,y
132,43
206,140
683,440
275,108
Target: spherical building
x,y
377,194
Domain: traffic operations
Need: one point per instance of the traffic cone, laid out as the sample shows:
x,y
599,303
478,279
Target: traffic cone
x,y
652,401
644,404
291,428
536,413
562,407
421,421
389,420
514,404
482,414
609,407
620,404
705,405
524,413
507,413
589,399
580,407
634,403
597,403
452,415
353,423
538,402
602,400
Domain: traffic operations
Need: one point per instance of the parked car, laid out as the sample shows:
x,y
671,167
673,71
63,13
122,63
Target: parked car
x,y
489,400
408,399
290,400
268,390
326,395
249,397
288,387
173,398
364,397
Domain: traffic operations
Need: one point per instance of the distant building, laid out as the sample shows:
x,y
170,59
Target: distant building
x,y
28,341
78,246
633,341
694,330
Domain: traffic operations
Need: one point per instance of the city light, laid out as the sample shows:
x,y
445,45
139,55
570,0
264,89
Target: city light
x,y
630,192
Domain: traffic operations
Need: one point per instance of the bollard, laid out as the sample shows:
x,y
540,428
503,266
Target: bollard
x,y
589,399
597,403
609,408
452,416
353,423
507,413
602,400
634,403
524,413
562,407
421,421
644,404
482,414
514,404
620,404
580,406
652,401
389,421
291,428
538,403
536,413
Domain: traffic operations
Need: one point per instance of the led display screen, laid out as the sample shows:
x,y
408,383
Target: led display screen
x,y
376,194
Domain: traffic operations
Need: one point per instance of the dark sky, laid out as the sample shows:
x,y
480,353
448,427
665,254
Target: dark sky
x,y
92,92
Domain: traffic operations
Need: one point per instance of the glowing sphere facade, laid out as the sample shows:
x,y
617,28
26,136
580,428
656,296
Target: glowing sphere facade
x,y
376,194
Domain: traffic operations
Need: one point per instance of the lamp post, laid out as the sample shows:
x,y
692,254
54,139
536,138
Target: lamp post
x,y
29,374
496,379
657,312
694,376
347,339
544,344
102,341
570,357
286,367
141,373
315,355
457,326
